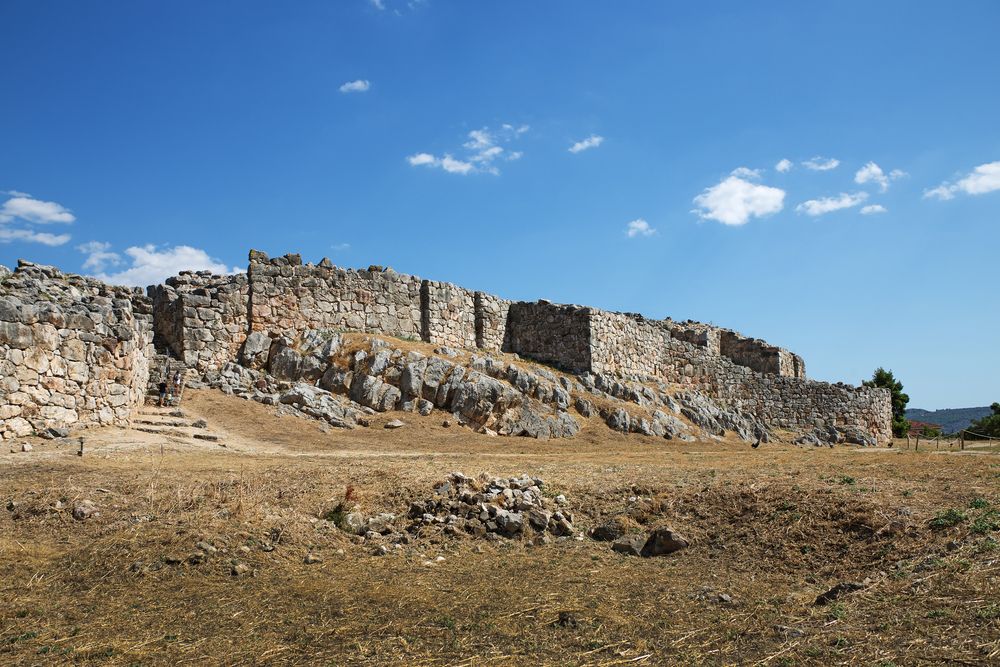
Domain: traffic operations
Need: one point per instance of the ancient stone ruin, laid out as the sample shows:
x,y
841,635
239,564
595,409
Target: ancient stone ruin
x,y
76,352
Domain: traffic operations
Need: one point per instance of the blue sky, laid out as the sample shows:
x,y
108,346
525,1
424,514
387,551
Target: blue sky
x,y
623,155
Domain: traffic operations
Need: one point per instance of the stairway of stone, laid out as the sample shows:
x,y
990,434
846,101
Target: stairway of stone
x,y
174,422
162,367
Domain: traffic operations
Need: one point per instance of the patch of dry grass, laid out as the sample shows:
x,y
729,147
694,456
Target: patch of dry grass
x,y
771,528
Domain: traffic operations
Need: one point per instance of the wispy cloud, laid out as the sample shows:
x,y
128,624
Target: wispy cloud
x,y
784,165
34,211
817,207
735,200
25,211
483,152
821,163
99,255
29,236
358,86
593,141
872,209
983,179
378,4
747,172
340,247
151,265
639,227
872,173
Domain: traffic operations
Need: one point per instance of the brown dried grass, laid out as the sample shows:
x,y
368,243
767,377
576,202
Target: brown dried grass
x,y
771,527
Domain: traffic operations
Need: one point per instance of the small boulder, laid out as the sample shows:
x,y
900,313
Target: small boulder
x,y
395,423
630,545
663,541
84,510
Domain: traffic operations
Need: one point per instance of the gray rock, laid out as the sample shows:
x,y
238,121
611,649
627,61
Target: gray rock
x,y
663,541
630,545
84,510
395,423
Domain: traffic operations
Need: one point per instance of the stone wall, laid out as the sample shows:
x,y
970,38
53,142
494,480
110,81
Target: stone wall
x,y
491,321
760,355
696,333
581,340
550,333
447,314
73,351
627,344
202,317
287,296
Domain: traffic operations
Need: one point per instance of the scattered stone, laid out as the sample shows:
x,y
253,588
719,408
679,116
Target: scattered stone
x,y
394,424
567,619
240,570
842,588
630,545
311,559
206,547
663,541
789,632
25,447
85,510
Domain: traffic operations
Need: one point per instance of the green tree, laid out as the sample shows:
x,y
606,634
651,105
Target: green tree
x,y
988,425
886,380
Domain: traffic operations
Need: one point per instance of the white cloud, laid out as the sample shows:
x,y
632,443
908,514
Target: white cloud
x,y
34,211
815,207
639,227
983,179
151,266
453,166
359,86
746,172
821,163
340,247
735,200
8,235
784,165
483,152
421,159
99,255
15,193
872,173
378,4
593,141
872,209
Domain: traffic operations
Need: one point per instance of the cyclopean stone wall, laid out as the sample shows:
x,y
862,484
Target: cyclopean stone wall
x,y
76,351
550,333
201,317
73,351
760,355
580,339
753,353
447,314
288,296
491,321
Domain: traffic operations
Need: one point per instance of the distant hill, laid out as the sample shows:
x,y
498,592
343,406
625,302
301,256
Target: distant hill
x,y
953,420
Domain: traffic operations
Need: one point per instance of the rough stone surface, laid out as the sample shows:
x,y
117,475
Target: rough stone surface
x,y
76,352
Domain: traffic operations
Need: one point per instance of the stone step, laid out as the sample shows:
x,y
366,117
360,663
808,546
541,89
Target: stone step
x,y
169,421
199,434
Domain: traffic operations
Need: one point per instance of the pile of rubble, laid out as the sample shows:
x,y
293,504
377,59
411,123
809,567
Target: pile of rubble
x,y
491,508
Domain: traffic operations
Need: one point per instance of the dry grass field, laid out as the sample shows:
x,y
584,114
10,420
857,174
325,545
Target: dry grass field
x,y
770,529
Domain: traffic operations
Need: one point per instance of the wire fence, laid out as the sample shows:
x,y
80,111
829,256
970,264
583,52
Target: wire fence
x,y
961,440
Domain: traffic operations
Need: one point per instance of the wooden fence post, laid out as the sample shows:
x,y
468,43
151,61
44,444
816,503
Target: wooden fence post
x,y
963,440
